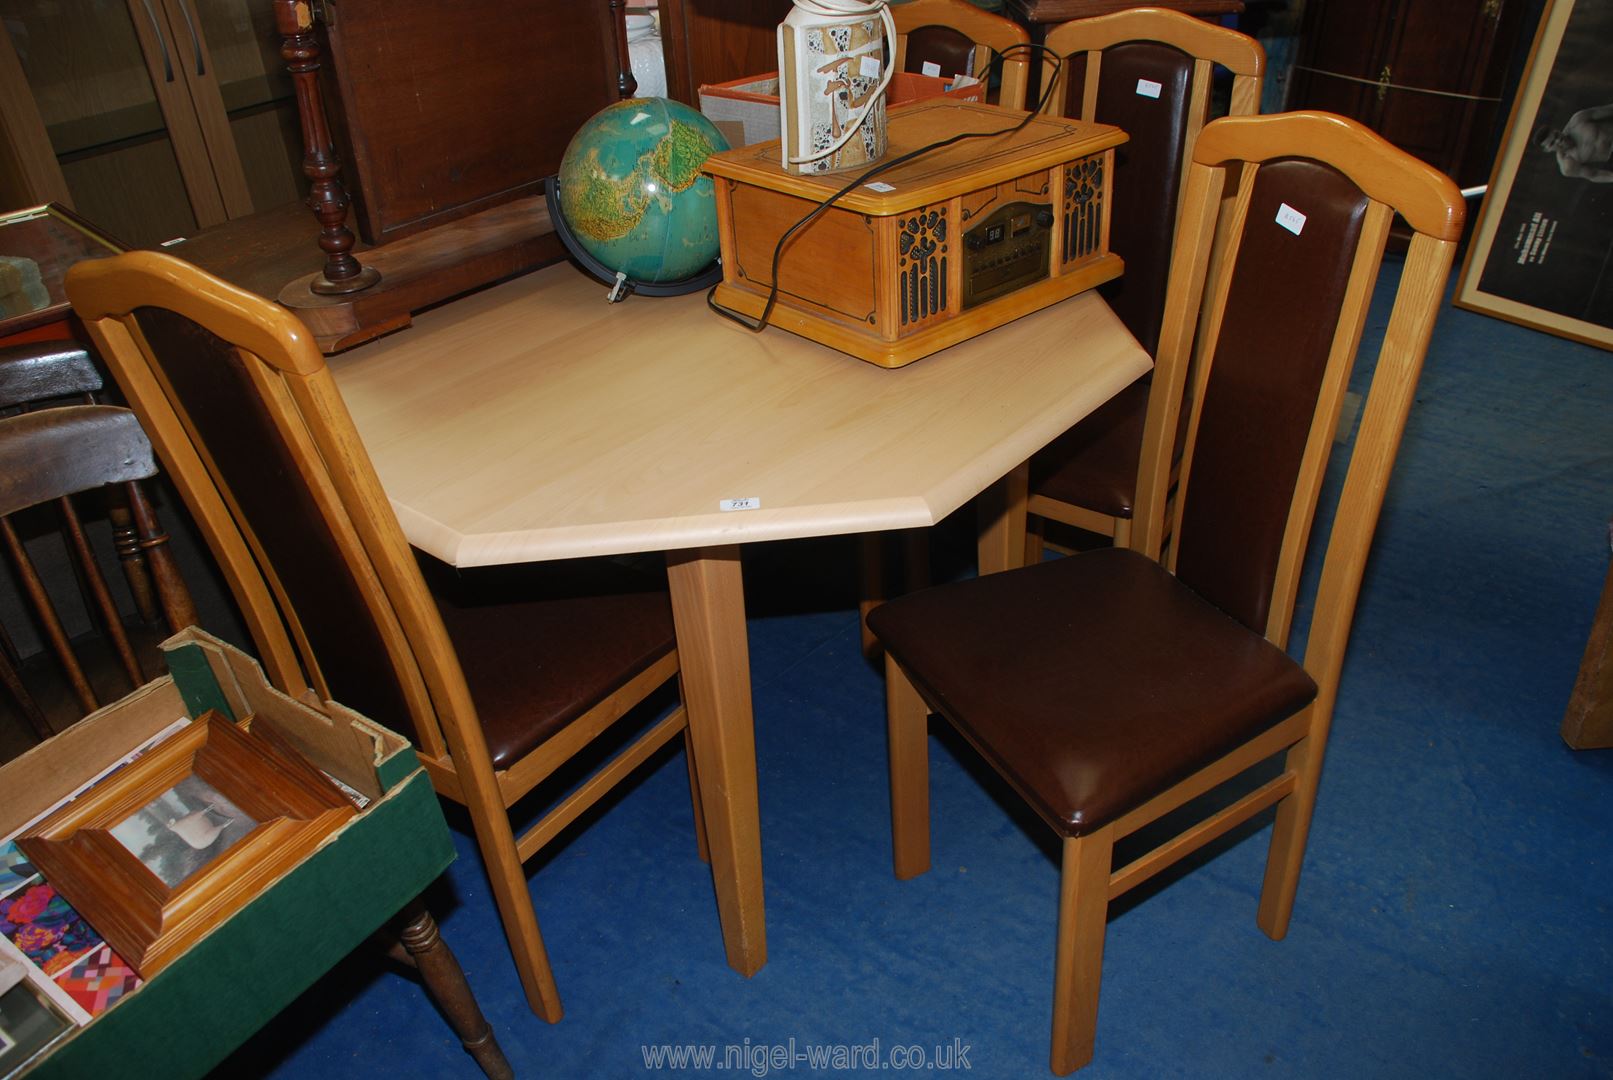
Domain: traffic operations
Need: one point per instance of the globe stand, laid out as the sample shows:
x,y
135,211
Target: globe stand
x,y
621,285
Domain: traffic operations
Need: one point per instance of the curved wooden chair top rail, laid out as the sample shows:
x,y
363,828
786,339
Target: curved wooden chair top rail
x,y
1428,199
1236,52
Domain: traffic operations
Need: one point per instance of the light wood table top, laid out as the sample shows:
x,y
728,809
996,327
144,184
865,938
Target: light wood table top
x,y
536,421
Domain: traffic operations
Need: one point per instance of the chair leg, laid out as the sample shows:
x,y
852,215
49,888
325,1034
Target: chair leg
x,y
514,899
1078,962
916,557
907,719
694,797
1288,837
871,567
1122,533
445,982
1035,539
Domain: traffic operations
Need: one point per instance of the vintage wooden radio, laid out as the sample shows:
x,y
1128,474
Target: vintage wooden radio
x,y
935,251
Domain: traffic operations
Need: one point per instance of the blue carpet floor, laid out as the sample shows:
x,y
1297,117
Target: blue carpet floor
x,y
1453,919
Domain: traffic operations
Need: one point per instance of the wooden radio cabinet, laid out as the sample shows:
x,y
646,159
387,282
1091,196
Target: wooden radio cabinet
x,y
932,252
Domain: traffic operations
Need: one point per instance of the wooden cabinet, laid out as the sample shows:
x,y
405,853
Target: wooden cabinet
x,y
151,118
712,41
1425,74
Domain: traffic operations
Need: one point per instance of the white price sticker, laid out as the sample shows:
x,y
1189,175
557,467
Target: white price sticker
x,y
930,68
1149,88
880,186
868,67
1290,219
752,503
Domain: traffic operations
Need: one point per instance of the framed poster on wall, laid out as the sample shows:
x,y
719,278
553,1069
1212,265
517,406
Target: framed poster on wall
x,y
1542,251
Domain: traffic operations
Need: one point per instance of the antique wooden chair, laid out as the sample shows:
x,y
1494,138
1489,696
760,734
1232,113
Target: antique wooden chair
x,y
49,456
1149,71
1109,690
500,681
961,38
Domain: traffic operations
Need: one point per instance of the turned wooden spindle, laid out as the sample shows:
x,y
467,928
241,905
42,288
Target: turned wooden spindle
x,y
326,197
626,85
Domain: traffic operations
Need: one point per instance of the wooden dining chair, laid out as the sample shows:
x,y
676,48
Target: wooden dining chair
x,y
50,456
1149,71
1109,690
962,39
1106,70
500,679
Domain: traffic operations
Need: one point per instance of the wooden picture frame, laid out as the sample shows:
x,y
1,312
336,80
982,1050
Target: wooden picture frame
x,y
1542,250
152,879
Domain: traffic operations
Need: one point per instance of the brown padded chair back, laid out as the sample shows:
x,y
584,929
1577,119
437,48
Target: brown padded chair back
x,y
1148,72
297,544
239,401
953,52
1270,327
1147,184
1277,332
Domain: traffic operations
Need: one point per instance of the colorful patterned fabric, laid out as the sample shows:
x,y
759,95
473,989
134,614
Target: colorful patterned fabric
x,y
45,927
98,980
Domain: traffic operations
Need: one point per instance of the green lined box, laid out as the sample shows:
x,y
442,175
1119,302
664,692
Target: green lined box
x,y
207,1002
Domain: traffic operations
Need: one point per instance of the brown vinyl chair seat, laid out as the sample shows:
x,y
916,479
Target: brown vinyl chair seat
x,y
535,665
1092,682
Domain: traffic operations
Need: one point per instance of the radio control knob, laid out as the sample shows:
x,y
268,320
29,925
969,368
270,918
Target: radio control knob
x,y
1044,218
974,241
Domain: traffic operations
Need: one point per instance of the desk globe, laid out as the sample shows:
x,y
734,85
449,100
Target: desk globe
x,y
632,197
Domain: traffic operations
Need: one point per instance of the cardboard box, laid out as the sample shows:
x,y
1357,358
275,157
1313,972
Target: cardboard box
x,y
191,1014
752,103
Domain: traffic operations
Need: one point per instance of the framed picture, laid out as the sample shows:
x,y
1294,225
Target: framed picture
x,y
166,848
1542,250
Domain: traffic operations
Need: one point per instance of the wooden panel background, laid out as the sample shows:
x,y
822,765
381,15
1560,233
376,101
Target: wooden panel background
x,y
442,110
712,41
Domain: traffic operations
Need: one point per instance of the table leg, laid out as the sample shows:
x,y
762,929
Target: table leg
x,y
1002,522
708,611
